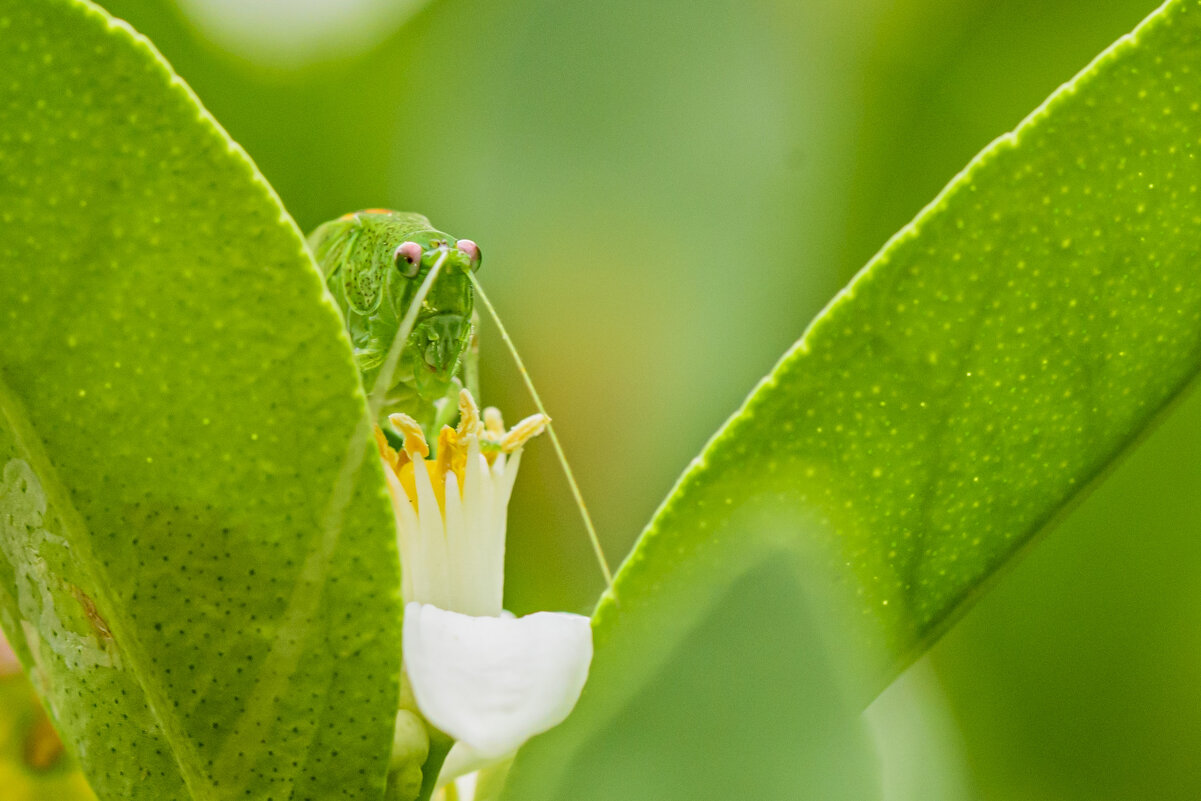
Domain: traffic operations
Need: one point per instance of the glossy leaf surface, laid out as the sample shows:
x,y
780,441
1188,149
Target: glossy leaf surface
x,y
197,564
987,365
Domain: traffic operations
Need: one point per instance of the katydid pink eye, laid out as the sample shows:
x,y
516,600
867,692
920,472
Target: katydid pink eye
x,y
408,258
472,251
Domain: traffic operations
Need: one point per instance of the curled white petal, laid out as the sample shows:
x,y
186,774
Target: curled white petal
x,y
494,682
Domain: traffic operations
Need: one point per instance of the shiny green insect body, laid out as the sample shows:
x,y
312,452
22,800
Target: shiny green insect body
x,y
373,262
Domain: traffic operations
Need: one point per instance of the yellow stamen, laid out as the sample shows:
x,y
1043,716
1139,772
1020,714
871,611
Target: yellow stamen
x,y
415,444
408,481
386,451
453,445
452,456
523,432
493,422
469,414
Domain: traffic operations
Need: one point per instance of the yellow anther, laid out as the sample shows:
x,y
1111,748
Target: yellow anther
x,y
493,422
386,451
469,414
453,445
523,432
408,481
415,444
452,457
448,440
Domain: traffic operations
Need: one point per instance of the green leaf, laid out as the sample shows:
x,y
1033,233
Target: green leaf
x,y
197,561
982,371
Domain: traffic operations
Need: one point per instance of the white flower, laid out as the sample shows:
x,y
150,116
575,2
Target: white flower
x,y
488,680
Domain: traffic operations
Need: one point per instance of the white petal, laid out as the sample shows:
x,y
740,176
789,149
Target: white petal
x,y
494,682
406,528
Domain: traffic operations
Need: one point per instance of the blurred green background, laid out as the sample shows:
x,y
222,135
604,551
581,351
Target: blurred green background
x,y
666,193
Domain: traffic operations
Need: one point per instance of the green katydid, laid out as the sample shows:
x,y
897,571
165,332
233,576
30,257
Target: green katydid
x,y
407,294
374,263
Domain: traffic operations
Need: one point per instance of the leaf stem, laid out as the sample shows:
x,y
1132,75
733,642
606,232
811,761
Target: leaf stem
x,y
439,748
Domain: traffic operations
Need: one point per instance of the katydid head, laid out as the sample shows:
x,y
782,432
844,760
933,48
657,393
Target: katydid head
x,y
443,325
376,264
